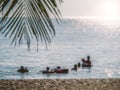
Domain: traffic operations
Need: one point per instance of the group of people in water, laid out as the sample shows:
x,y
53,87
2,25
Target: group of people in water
x,y
85,63
23,69
55,70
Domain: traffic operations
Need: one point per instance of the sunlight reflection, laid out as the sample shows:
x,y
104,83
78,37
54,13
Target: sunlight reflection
x,y
110,8
109,73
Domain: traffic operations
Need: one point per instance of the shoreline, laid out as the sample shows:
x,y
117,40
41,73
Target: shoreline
x,y
61,84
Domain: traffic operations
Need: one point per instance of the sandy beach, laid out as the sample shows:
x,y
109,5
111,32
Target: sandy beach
x,y
61,84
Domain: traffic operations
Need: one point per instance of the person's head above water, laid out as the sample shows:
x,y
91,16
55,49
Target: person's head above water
x,y
75,66
21,67
58,67
83,59
47,68
88,57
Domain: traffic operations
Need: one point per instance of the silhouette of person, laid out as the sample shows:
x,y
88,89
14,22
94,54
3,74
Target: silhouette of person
x,y
79,64
75,67
88,61
21,68
47,69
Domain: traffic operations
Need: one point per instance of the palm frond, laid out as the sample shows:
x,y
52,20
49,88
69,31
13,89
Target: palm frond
x,y
29,19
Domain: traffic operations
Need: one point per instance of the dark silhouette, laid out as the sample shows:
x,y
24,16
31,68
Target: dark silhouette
x,y
86,63
83,61
79,65
75,67
47,70
22,69
60,71
56,70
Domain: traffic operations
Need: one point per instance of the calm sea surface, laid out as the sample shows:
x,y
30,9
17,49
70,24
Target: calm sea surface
x,y
75,39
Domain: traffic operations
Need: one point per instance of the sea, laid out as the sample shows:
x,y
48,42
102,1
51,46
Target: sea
x,y
76,38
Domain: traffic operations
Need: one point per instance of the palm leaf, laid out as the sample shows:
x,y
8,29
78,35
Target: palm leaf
x,y
29,19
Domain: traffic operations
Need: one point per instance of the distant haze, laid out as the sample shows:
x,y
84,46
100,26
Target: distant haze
x,y
75,8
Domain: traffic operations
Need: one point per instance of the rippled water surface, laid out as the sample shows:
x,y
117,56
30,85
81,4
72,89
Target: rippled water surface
x,y
75,39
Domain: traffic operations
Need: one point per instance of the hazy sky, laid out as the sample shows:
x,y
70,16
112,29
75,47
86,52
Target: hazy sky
x,y
90,8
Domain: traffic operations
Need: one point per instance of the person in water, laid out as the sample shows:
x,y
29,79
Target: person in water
x,y
48,69
83,62
22,69
58,69
75,67
79,64
88,61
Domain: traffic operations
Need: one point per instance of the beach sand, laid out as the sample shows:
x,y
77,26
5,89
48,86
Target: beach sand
x,y
61,84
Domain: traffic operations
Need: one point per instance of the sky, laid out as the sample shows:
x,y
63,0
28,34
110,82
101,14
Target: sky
x,y
74,8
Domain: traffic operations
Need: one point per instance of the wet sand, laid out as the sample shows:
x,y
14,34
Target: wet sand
x,y
61,84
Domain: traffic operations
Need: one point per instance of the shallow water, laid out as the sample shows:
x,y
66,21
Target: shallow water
x,y
75,39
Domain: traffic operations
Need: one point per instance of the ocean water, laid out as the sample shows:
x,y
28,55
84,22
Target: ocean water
x,y
75,39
